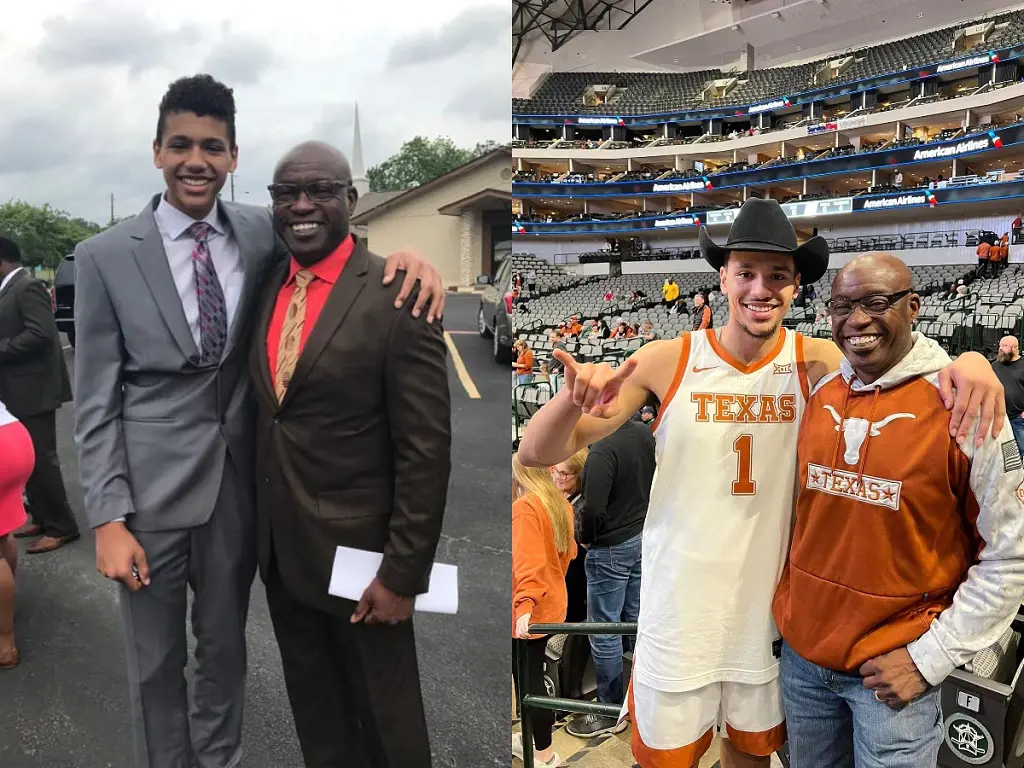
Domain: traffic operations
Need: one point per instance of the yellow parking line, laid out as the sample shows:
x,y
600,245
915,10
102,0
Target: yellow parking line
x,y
460,368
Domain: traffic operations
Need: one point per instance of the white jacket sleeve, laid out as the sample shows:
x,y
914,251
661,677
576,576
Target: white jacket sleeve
x,y
986,603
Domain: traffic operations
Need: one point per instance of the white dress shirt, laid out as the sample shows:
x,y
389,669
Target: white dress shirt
x,y
178,245
10,276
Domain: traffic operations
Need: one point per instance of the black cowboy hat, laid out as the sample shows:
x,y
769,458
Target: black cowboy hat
x,y
762,226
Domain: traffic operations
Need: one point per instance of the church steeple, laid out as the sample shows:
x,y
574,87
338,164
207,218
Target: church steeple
x,y
362,184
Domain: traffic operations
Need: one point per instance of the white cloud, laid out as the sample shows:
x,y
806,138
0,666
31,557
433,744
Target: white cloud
x,y
80,83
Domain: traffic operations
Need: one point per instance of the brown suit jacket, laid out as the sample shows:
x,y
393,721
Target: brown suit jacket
x,y
33,375
358,452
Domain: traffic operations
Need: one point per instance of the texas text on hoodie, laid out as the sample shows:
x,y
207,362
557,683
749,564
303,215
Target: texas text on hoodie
x,y
901,537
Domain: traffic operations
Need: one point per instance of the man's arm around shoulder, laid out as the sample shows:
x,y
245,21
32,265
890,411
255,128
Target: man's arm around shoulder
x,y
99,359
419,412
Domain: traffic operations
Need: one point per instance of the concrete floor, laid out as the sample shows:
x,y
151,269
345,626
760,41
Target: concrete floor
x,y
66,707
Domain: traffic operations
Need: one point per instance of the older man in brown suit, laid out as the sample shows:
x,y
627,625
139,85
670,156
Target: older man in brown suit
x,y
353,450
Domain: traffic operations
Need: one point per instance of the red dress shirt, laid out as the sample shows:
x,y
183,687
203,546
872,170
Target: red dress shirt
x,y
325,274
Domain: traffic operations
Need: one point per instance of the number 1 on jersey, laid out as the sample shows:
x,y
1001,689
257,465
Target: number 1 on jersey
x,y
744,484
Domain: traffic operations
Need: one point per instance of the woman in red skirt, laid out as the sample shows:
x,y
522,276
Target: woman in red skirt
x,y
17,460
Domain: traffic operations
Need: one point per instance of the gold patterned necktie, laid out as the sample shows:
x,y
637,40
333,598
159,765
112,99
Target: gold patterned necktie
x,y
291,334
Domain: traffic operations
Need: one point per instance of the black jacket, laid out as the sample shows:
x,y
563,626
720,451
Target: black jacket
x,y
33,375
617,486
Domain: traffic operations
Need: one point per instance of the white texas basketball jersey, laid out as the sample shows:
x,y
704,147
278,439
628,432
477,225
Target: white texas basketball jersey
x,y
718,525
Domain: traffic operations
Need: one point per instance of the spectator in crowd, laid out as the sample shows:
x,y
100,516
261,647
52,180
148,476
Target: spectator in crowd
x,y
1004,254
542,548
543,373
383,453
34,383
648,414
523,364
670,292
517,280
15,469
574,326
810,293
877,608
898,179
702,315
961,289
984,253
598,330
1015,227
567,476
531,280
1009,367
616,491
647,332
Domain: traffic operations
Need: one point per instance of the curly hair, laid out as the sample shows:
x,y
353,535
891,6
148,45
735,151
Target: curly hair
x,y
9,251
201,95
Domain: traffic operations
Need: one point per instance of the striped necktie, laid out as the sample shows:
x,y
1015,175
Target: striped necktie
x,y
213,316
289,347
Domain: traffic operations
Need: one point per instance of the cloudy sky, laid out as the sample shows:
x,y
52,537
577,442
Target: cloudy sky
x,y
81,80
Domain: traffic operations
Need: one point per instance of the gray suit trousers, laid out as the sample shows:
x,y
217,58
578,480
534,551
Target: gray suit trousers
x,y
218,561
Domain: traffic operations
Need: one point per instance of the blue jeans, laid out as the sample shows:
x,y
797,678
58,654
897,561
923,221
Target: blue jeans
x,y
613,594
1017,425
833,721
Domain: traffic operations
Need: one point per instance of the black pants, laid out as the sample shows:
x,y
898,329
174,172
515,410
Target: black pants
x,y
45,488
354,690
576,588
542,720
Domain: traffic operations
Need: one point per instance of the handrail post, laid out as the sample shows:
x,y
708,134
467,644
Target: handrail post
x,y
525,726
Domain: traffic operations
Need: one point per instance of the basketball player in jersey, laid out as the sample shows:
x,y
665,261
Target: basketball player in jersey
x,y
718,525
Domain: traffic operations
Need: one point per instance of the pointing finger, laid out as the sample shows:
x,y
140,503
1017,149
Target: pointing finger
x,y
623,372
564,358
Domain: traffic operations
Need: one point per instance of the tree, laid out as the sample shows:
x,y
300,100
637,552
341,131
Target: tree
x,y
44,234
421,160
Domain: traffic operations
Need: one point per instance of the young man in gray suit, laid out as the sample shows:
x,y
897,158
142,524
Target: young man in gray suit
x,y
165,305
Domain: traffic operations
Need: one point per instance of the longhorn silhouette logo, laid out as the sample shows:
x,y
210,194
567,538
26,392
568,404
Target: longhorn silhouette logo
x,y
856,430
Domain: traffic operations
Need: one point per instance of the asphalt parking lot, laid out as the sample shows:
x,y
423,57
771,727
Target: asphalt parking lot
x,y
66,706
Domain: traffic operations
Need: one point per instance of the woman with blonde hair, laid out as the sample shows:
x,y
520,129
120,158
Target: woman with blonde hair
x,y
543,545
568,477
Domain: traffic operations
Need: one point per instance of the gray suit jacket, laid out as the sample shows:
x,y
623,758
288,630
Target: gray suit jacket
x,y
154,425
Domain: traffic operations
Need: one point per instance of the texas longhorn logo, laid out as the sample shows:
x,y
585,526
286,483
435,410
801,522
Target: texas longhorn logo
x,y
855,431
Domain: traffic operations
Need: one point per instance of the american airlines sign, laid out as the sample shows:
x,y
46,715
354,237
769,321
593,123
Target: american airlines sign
x,y
974,61
680,186
777,104
952,150
901,201
599,121
680,221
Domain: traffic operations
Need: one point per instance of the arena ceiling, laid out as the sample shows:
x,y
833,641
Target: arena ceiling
x,y
680,35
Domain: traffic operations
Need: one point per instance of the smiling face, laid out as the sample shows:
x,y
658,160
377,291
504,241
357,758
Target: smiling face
x,y
196,155
760,288
873,342
313,200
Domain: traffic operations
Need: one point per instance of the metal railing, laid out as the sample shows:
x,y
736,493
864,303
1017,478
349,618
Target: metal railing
x,y
526,701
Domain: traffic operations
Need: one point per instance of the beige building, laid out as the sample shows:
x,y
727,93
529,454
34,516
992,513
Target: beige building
x,y
461,222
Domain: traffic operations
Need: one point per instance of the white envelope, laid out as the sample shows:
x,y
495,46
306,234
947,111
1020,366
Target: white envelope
x,y
354,569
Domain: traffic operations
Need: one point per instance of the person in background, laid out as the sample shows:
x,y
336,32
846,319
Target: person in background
x,y
984,253
702,316
670,292
1004,254
567,476
647,332
543,373
648,414
1015,228
17,460
1009,368
542,548
523,364
617,482
34,383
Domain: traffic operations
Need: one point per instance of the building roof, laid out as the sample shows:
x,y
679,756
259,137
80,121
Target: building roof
x,y
371,200
363,215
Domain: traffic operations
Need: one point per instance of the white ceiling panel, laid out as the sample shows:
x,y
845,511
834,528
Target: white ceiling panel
x,y
699,34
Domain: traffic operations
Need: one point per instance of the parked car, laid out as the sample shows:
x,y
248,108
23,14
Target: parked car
x,y
62,298
494,320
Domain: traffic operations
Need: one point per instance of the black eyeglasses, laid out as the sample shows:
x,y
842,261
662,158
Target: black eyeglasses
x,y
321,191
877,304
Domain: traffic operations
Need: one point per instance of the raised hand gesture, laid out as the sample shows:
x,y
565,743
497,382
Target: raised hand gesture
x,y
595,387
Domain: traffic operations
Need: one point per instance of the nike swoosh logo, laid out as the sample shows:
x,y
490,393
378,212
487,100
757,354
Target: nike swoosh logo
x,y
709,368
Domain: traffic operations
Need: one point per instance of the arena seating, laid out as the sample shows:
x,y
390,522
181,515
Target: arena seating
x,y
650,93
549,277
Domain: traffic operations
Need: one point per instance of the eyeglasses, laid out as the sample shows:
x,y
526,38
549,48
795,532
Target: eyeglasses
x,y
560,475
322,191
877,304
